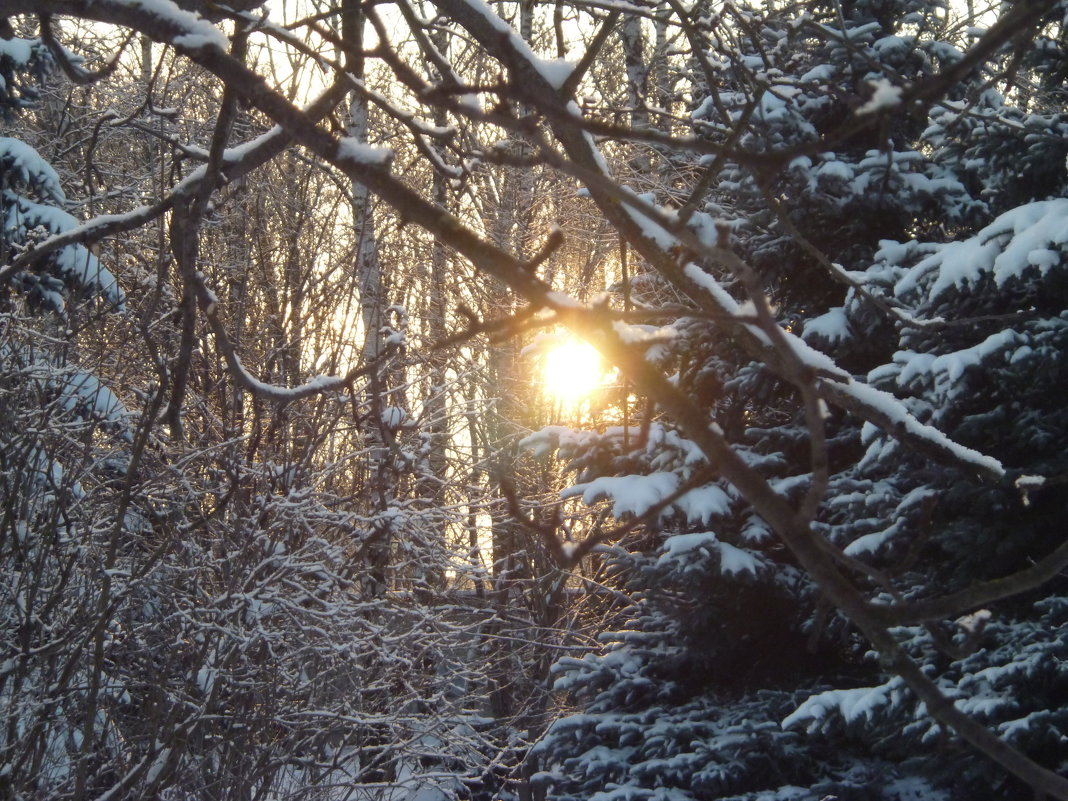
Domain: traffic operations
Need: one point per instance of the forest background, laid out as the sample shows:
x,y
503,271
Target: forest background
x,y
290,509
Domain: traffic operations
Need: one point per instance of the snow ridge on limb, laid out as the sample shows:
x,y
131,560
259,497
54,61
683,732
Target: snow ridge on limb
x,y
890,415
317,385
832,383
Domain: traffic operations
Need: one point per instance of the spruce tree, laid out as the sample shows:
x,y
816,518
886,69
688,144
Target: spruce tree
x,y
728,676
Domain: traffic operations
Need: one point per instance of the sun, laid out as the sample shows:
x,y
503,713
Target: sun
x,y
572,371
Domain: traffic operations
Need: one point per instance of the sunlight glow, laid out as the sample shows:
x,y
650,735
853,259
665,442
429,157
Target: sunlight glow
x,y
572,371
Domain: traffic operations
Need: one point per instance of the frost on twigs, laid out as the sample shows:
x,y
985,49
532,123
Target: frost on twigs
x,y
198,31
352,152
